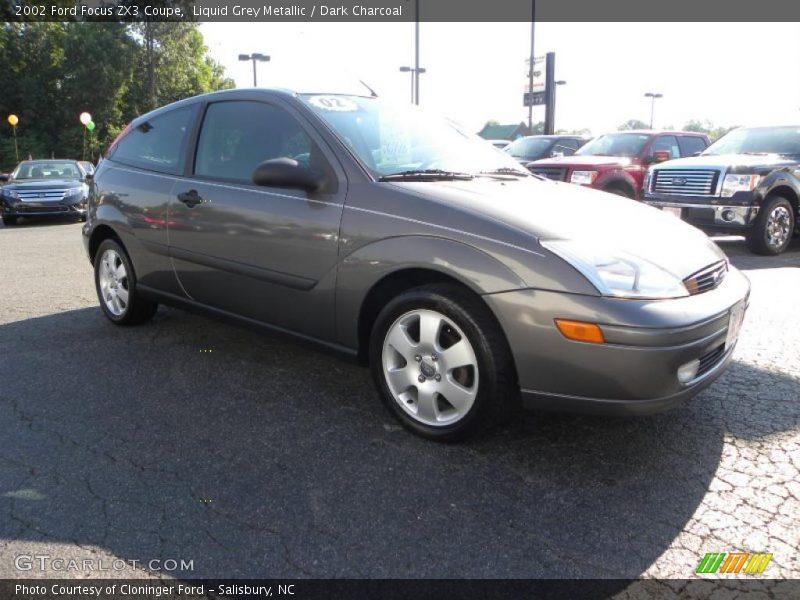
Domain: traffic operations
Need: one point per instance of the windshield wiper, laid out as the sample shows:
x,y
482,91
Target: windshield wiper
x,y
506,171
426,175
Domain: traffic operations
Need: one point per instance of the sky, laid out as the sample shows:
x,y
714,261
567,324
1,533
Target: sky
x,y
728,73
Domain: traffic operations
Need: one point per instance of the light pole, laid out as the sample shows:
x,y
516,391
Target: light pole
x,y
255,57
530,69
652,96
559,82
415,72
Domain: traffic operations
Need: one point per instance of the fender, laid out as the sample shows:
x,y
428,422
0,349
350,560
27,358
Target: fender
x,y
618,175
360,271
778,178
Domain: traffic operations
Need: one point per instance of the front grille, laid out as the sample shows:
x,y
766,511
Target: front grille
x,y
707,279
40,195
554,173
41,209
710,360
685,182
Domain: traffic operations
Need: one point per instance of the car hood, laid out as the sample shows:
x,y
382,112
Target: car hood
x,y
43,184
730,161
548,210
585,161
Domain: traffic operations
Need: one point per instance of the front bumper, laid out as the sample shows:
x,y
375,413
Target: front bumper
x,y
635,370
68,206
735,213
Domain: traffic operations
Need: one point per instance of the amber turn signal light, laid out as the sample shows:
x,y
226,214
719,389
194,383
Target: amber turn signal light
x,y
580,331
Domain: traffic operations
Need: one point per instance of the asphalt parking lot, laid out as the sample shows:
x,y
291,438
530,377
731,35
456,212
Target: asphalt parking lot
x,y
252,456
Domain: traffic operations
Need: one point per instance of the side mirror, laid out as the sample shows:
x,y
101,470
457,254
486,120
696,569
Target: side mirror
x,y
89,177
287,173
4,177
660,156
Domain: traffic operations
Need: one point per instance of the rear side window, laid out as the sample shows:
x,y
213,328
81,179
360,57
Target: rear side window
x,y
691,145
158,144
666,142
237,136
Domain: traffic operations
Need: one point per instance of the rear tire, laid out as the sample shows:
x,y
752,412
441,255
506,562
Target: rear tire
x,y
442,364
115,282
9,220
771,232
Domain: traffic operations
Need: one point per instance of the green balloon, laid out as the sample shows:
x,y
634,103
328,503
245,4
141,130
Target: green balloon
x,y
90,126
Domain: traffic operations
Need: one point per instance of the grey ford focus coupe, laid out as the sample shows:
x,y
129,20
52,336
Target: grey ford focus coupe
x,y
467,285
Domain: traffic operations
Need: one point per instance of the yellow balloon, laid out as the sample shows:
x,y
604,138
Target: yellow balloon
x,y
13,120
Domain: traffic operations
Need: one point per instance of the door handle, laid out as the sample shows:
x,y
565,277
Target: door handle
x,y
190,198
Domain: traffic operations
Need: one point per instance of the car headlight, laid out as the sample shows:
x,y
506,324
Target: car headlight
x,y
76,191
739,183
10,194
583,177
618,273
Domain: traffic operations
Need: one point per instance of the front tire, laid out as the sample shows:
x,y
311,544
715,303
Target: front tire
x,y
9,220
772,230
441,363
115,283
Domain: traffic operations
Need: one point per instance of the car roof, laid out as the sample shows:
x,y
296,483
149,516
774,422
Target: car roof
x,y
657,132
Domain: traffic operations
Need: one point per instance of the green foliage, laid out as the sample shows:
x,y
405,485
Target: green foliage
x,y
633,124
54,71
713,131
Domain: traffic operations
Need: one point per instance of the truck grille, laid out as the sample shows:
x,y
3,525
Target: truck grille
x,y
707,279
40,195
685,182
554,173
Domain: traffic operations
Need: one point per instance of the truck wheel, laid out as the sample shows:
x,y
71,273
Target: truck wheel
x,y
772,230
9,220
619,190
441,363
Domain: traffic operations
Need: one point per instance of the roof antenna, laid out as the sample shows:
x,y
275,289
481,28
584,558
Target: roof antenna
x,y
371,91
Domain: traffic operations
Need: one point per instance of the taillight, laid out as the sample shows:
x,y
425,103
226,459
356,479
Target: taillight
x,y
121,135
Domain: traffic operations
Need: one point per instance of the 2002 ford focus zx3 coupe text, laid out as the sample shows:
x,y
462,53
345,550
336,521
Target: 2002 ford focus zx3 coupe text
x,y
466,284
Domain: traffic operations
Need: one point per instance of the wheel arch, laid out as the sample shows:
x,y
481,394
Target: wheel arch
x,y
787,191
370,277
98,236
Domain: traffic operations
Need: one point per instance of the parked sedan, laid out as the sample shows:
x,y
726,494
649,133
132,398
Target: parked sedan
x,y
39,188
402,242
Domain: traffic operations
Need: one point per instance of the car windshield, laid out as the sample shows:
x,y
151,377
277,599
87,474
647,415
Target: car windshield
x,y
615,144
391,140
525,147
47,169
758,140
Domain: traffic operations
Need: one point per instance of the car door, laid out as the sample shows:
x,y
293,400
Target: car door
x,y
267,254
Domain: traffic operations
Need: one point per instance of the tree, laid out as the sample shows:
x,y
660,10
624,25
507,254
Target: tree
x,y
714,132
54,71
633,124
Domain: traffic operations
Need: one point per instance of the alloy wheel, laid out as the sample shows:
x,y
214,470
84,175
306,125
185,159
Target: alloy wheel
x,y
113,279
430,367
778,226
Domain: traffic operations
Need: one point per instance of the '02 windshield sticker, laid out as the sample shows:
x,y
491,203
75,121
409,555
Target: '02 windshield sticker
x,y
334,103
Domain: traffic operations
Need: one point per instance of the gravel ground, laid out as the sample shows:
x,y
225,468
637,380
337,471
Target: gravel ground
x,y
251,456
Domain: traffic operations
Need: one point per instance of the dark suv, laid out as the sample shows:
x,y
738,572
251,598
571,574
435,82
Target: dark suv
x,y
535,147
617,162
747,182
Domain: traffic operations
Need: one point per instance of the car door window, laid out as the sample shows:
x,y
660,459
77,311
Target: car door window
x,y
157,144
666,142
566,147
691,145
237,136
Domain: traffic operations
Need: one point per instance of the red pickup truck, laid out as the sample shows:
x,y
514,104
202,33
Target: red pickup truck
x,y
617,162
